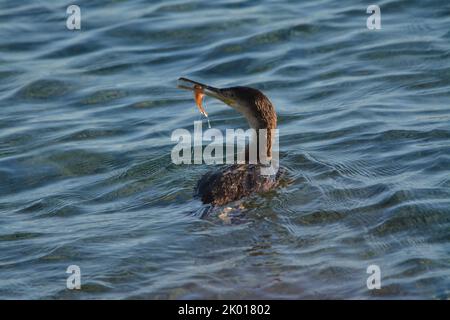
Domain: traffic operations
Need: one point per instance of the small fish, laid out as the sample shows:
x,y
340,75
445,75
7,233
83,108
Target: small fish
x,y
198,96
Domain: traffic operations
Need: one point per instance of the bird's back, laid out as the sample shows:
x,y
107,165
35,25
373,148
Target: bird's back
x,y
233,183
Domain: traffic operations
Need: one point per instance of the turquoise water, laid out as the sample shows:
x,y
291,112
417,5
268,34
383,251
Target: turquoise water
x,y
85,170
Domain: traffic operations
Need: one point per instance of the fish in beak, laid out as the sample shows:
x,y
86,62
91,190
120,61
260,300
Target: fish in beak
x,y
219,94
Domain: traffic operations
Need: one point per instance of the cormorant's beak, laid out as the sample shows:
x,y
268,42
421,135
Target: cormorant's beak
x,y
187,84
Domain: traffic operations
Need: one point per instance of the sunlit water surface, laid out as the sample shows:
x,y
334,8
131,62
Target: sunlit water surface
x,y
86,176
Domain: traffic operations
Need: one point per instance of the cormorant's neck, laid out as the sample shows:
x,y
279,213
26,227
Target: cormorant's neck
x,y
261,117
261,140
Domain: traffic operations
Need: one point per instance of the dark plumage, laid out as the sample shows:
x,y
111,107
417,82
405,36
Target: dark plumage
x,y
233,183
236,181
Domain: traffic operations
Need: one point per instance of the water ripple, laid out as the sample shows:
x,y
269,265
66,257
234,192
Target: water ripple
x,y
85,170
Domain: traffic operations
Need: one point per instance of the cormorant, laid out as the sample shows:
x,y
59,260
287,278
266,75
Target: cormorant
x,y
236,181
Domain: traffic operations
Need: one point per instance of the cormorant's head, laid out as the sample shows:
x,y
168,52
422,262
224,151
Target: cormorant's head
x,y
251,103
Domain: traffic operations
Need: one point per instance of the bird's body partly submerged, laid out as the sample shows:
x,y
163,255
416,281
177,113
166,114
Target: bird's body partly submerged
x,y
234,182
